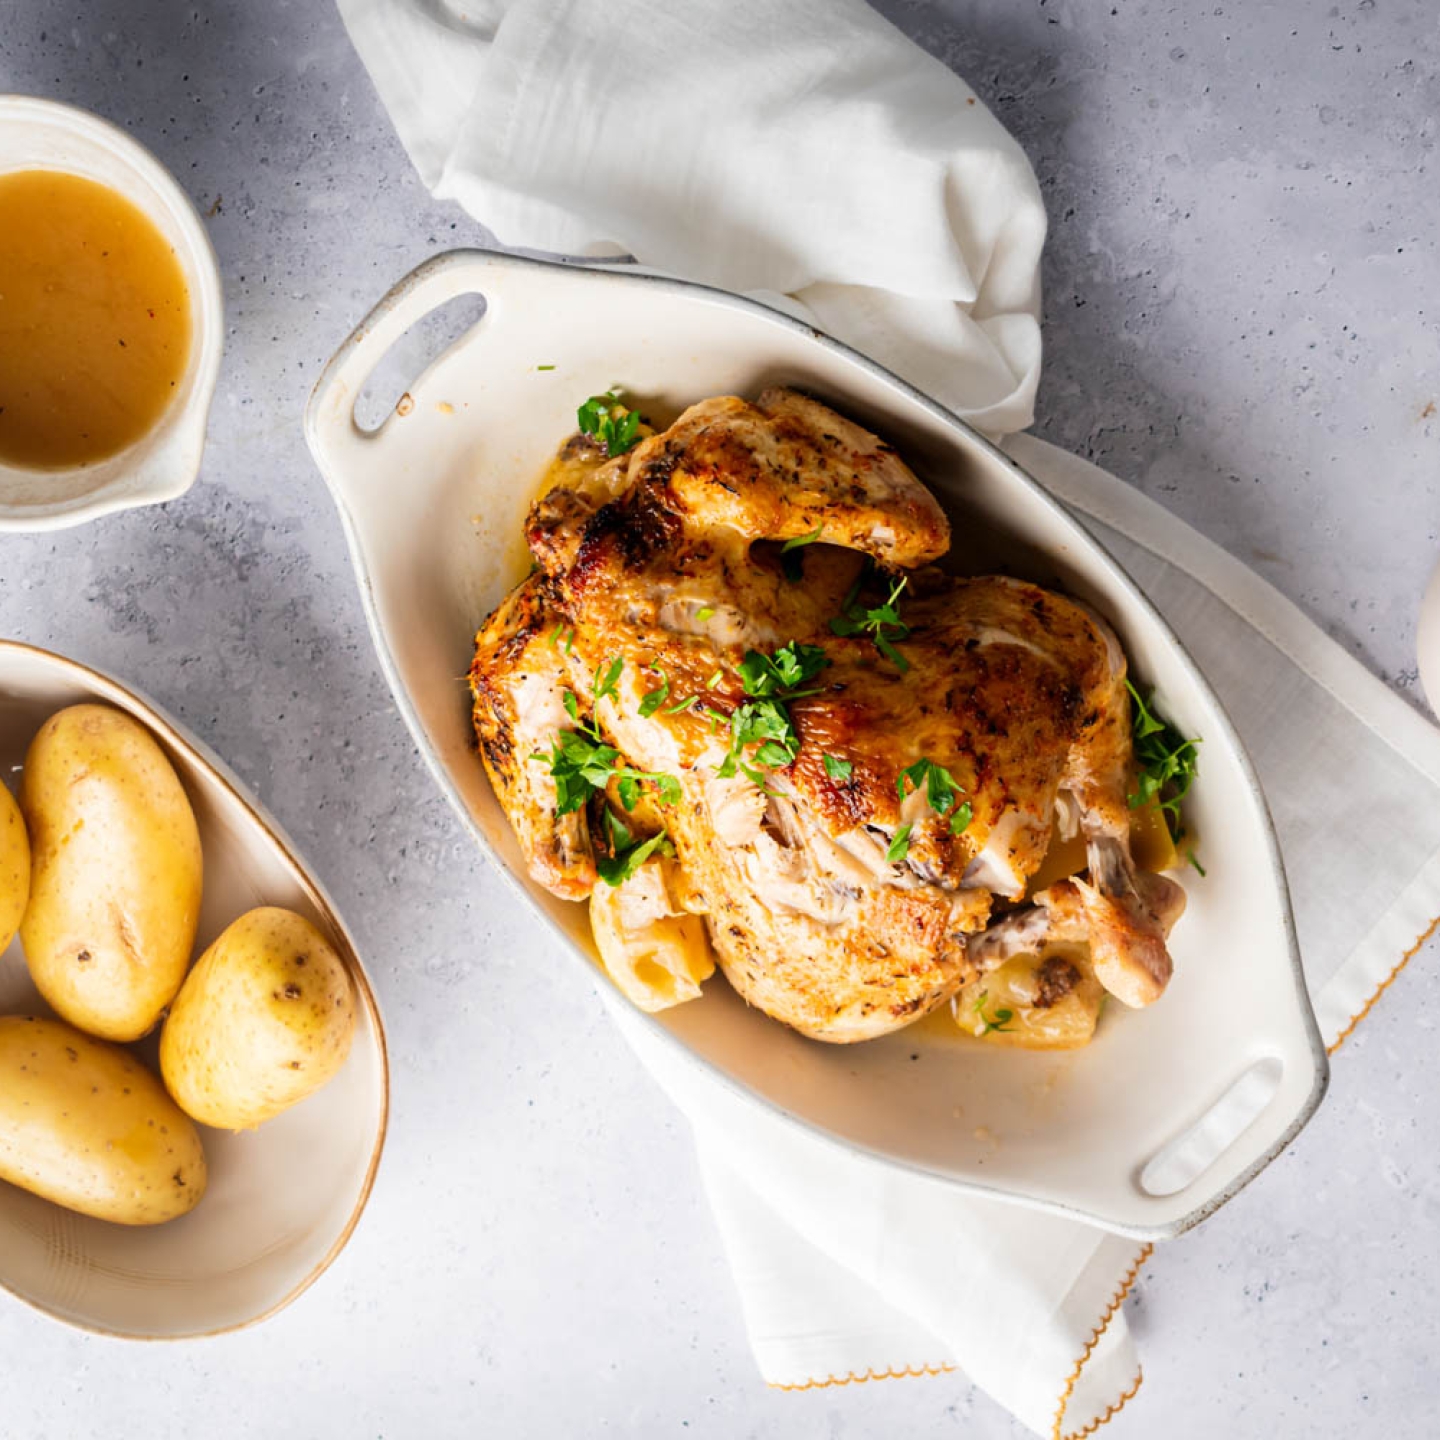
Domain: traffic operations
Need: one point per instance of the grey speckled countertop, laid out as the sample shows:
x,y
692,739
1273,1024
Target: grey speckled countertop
x,y
1242,317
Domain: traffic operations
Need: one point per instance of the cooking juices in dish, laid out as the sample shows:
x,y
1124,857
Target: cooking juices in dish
x,y
94,321
740,709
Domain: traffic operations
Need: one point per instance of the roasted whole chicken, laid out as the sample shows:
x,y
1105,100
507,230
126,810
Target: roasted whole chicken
x,y
738,707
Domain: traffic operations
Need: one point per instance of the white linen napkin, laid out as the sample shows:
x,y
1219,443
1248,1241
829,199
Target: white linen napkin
x,y
805,150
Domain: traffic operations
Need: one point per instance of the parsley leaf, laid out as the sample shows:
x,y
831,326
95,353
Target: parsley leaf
x,y
941,791
667,785
614,425
900,845
792,563
1003,1016
764,722
799,540
837,769
617,832
773,754
881,622
1168,763
757,778
771,681
605,684
652,700
704,613
616,869
582,763
783,672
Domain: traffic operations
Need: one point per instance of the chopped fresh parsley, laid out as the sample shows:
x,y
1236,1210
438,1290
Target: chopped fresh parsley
x,y
799,540
792,563
899,846
544,367
757,778
837,769
562,634
582,763
704,613
1167,761
771,681
881,622
614,425
652,700
667,785
618,834
941,790
1003,1016
605,682
783,672
763,722
681,705
628,854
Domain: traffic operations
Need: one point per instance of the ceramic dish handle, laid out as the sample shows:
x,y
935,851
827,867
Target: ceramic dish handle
x,y
349,455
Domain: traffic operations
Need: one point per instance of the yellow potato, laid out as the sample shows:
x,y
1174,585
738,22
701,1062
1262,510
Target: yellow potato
x,y
115,883
86,1125
1000,1009
14,867
263,1020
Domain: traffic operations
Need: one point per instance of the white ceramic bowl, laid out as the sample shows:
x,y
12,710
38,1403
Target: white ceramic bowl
x,y
282,1199
1171,1109
163,463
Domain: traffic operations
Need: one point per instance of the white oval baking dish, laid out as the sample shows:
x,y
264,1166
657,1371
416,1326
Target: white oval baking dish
x,y
432,502
282,1199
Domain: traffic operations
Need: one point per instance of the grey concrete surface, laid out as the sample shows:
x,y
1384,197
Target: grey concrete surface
x,y
1241,317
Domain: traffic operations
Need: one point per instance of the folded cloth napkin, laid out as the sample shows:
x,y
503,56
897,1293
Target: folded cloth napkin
x,y
799,147
808,152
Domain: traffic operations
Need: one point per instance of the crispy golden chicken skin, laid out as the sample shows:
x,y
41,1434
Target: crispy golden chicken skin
x,y
840,895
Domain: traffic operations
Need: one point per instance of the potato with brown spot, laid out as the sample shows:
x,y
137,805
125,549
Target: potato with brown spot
x,y
115,887
85,1124
14,867
264,1019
